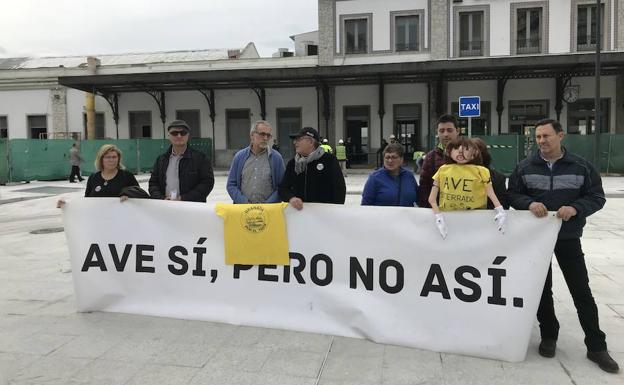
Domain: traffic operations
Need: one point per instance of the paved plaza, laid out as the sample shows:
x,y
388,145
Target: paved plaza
x,y
44,341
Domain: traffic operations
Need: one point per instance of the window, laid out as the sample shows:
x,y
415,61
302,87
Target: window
x,y
406,33
582,117
356,36
529,30
480,125
37,126
471,34
191,117
238,125
140,124
99,125
524,114
312,49
4,127
586,31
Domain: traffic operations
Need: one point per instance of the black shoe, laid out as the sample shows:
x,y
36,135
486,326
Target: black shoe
x,y
604,360
547,347
72,181
80,180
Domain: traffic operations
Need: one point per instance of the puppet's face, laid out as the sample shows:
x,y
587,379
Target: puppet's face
x,y
463,155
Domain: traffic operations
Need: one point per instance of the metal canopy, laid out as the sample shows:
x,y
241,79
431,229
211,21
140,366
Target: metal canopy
x,y
517,67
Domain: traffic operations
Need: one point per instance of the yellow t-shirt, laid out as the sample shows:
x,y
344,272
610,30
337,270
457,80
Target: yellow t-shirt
x,y
254,234
462,186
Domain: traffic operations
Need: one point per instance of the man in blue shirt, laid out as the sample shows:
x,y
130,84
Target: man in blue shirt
x,y
257,170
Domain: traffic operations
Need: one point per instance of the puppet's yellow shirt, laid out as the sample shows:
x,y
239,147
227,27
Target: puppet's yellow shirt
x,y
462,186
254,234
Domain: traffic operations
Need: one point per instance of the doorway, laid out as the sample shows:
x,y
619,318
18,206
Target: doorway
x,y
288,123
407,128
357,133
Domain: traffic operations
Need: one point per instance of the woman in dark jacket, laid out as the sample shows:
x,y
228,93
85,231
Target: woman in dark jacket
x,y
111,180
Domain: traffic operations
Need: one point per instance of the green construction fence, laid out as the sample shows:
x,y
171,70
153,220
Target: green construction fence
x,y
48,159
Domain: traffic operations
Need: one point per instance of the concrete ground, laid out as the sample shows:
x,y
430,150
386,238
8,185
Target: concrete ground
x,y
44,341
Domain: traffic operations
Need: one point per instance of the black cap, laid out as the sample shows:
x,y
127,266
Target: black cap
x,y
307,131
178,124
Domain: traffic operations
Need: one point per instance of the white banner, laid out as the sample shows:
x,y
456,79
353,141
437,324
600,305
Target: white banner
x,y
381,273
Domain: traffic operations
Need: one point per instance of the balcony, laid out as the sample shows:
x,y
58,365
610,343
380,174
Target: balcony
x,y
406,47
471,48
528,46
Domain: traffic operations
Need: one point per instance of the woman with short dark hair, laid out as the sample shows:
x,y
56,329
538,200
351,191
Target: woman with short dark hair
x,y
391,184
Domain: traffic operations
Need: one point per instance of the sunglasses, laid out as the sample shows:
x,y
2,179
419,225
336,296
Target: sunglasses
x,y
178,133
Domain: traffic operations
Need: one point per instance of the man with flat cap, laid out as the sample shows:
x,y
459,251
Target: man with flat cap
x,y
313,175
181,173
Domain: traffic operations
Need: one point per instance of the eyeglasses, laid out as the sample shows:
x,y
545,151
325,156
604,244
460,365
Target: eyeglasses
x,y
267,135
178,133
391,157
111,157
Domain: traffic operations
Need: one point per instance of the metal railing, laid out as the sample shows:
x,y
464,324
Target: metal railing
x,y
471,48
529,45
407,47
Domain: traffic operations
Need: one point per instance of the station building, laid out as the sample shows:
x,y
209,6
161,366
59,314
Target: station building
x,y
372,69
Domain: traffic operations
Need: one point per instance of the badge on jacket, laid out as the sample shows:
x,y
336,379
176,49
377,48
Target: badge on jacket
x,y
320,167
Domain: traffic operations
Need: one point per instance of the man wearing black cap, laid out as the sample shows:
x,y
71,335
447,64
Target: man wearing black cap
x,y
181,173
313,175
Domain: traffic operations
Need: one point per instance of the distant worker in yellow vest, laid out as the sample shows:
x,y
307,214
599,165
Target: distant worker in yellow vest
x,y
327,147
341,155
419,158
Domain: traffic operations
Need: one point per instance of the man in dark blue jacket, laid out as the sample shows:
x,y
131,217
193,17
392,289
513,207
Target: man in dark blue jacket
x,y
556,180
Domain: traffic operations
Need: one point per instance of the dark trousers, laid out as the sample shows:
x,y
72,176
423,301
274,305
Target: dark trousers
x,y
572,263
75,172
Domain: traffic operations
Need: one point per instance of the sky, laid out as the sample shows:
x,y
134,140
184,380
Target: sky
x,y
72,27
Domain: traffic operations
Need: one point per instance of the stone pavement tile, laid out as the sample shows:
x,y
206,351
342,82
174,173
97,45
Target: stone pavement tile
x,y
354,381
39,343
230,376
356,346
583,371
466,370
20,307
280,379
286,339
25,325
191,355
203,332
104,372
163,374
601,234
294,363
64,307
79,324
358,368
618,308
536,370
12,363
34,290
405,366
50,370
248,359
88,346
246,336
130,350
